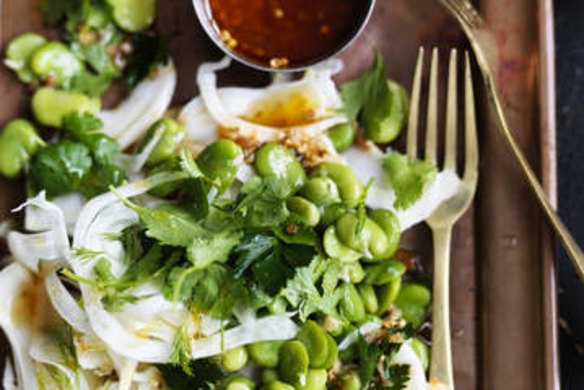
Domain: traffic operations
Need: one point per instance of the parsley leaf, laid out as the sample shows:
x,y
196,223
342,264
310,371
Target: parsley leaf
x,y
149,52
409,178
370,90
205,375
398,375
60,168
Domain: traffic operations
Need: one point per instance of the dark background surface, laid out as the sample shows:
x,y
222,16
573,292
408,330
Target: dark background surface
x,y
570,71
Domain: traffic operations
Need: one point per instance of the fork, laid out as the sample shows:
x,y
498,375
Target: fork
x,y
448,212
486,53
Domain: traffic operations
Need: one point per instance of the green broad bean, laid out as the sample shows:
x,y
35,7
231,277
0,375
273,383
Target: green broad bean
x,y
387,294
220,161
336,249
389,222
354,272
350,381
351,305
331,214
367,238
133,15
333,325
19,52
369,298
384,272
19,141
413,301
55,62
322,191
333,352
265,353
350,188
50,105
316,343
171,135
269,375
239,382
383,123
234,359
315,380
274,160
422,351
278,385
306,211
293,362
342,136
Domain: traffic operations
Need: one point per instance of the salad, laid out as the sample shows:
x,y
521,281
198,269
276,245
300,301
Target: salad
x,y
249,239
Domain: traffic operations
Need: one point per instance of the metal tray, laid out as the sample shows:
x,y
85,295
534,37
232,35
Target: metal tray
x,y
503,276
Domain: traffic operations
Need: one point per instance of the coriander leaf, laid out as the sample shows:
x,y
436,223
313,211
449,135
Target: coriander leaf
x,y
398,375
78,123
250,250
205,375
103,271
213,247
369,90
149,51
60,168
100,179
408,177
115,302
134,242
103,148
298,255
54,11
90,84
369,355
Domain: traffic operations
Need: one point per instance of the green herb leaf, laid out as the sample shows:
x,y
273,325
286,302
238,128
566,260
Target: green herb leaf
x,y
398,375
60,168
115,302
205,375
211,248
369,355
103,271
409,178
78,123
101,178
369,90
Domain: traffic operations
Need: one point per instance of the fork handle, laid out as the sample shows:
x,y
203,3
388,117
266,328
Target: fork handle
x,y
570,244
441,355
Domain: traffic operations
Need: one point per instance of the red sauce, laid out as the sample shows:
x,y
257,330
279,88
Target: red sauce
x,y
287,33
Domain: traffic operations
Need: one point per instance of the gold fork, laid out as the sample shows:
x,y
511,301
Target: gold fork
x,y
486,52
446,215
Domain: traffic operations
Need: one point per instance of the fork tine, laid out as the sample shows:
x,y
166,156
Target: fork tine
x,y
451,113
471,143
432,117
412,141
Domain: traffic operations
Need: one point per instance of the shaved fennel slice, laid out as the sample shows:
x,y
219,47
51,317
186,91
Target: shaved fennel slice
x,y
406,355
50,242
70,205
9,377
275,327
16,283
367,165
65,304
147,103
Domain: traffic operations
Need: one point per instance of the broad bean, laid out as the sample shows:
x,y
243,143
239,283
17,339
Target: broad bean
x,y
293,362
265,353
54,62
366,238
389,222
315,380
278,385
387,294
342,136
321,190
350,381
413,301
171,134
331,214
269,375
316,343
278,305
384,272
239,382
19,52
384,123
234,359
351,305
333,352
353,272
274,160
133,15
350,188
220,161
422,351
336,249
19,140
333,325
304,210
50,105
369,298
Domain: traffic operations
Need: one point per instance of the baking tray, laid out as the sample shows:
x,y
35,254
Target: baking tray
x,y
503,277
